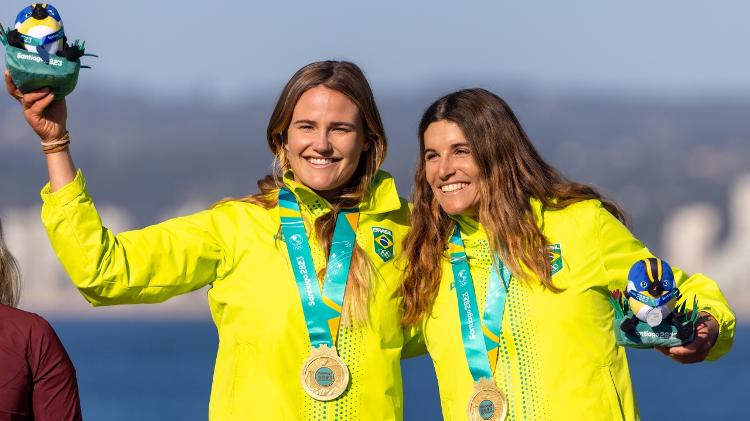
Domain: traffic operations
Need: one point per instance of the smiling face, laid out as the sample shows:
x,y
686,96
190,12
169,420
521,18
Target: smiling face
x,y
325,140
450,168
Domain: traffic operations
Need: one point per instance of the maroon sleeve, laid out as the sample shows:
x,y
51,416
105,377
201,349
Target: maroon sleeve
x,y
55,395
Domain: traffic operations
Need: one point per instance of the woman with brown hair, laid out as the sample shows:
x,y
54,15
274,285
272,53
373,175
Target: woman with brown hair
x,y
510,269
37,379
292,345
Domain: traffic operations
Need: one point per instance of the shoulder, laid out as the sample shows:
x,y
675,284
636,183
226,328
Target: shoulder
x,y
383,203
585,211
21,320
403,213
397,217
576,220
23,330
234,212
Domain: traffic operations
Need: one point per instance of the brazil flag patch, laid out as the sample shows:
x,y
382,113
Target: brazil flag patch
x,y
383,239
555,257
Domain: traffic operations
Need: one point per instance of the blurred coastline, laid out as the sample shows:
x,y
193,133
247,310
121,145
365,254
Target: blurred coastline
x,y
681,170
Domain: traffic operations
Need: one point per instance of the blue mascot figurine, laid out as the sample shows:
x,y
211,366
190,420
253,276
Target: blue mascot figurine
x,y
651,296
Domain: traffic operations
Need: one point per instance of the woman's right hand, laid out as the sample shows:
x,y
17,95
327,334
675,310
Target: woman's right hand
x,y
46,116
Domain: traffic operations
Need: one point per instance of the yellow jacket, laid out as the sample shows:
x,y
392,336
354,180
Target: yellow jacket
x,y
557,359
254,302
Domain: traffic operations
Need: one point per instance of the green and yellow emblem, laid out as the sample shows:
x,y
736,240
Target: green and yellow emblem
x,y
383,239
555,257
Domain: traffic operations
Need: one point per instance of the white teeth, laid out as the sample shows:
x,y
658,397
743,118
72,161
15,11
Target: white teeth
x,y
453,187
320,161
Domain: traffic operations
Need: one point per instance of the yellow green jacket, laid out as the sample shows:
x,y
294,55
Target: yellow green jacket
x,y
263,340
557,359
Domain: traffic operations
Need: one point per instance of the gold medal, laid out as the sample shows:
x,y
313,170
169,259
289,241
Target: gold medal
x,y
487,402
324,375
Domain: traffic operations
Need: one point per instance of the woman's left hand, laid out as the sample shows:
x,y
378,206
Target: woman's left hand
x,y
706,332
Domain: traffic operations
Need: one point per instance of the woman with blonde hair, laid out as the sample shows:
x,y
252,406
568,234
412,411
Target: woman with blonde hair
x,y
510,270
302,274
37,379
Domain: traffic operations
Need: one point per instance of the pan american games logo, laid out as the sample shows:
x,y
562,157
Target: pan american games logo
x,y
383,239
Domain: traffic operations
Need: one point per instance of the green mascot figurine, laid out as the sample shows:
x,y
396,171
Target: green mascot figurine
x,y
37,52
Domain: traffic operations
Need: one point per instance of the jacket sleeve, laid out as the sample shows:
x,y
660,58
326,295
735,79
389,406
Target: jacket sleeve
x,y
620,249
142,266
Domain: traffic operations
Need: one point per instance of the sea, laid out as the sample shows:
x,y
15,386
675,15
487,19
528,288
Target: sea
x,y
161,370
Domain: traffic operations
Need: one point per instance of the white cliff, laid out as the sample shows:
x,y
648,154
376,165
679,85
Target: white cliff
x,y
691,242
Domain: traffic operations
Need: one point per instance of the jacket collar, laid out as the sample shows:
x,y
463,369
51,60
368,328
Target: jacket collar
x,y
381,197
473,230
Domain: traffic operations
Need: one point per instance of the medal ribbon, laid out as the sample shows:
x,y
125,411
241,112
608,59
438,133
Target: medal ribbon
x,y
322,311
653,302
47,39
481,352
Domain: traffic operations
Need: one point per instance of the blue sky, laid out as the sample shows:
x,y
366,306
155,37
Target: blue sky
x,y
228,50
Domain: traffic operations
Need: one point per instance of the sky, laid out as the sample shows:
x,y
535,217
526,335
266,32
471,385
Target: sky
x,y
227,50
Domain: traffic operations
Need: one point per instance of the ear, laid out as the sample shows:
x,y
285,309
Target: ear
x,y
284,143
369,140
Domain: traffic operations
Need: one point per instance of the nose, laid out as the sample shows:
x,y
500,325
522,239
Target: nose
x,y
446,168
322,144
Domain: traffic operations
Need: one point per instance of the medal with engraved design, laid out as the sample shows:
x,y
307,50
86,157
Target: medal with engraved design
x,y
325,376
480,336
487,402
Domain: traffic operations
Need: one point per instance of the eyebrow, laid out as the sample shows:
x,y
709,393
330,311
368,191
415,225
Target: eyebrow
x,y
344,123
333,123
452,146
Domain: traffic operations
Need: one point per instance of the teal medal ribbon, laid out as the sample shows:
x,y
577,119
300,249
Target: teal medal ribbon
x,y
480,337
322,310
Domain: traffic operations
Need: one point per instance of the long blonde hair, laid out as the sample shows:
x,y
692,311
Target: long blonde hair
x,y
347,78
10,275
512,172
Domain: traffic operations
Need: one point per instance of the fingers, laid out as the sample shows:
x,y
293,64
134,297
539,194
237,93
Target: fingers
x,y
663,349
37,101
692,352
11,87
31,99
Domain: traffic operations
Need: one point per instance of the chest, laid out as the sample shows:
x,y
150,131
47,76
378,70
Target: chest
x,y
260,298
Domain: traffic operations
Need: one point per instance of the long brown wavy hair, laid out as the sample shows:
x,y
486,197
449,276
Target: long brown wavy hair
x,y
10,275
512,172
347,78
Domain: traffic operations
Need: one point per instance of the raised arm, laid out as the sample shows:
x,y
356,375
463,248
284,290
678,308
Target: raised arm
x,y
142,266
48,118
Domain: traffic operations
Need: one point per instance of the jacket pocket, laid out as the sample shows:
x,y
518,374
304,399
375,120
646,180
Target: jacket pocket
x,y
612,396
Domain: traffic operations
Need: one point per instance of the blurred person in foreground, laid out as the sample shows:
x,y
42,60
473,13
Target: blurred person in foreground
x,y
286,349
37,379
510,270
